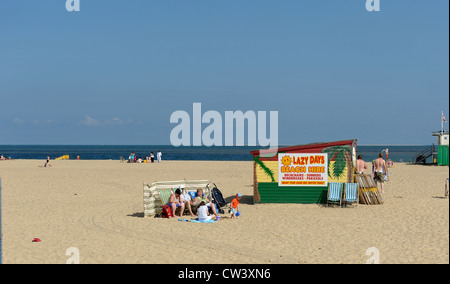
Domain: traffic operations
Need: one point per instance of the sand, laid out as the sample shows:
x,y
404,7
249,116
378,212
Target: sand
x,y
97,207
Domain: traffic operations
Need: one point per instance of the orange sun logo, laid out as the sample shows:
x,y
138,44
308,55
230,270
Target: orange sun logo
x,y
286,161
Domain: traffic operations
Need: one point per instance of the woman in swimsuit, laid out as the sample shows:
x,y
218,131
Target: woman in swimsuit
x,y
176,201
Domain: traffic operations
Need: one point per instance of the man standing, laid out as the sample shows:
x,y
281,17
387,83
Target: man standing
x,y
360,165
158,156
379,171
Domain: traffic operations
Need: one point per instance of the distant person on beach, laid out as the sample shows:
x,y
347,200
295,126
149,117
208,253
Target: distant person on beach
x,y
158,156
379,171
360,165
152,157
132,158
2,158
47,163
176,201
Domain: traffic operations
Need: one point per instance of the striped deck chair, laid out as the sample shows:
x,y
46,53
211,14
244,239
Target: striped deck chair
x,y
165,195
334,193
351,194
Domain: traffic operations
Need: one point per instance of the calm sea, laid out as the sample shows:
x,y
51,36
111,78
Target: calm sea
x,y
110,152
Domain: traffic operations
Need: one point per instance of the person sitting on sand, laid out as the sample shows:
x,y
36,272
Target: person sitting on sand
x,y
187,199
379,171
176,201
203,212
200,197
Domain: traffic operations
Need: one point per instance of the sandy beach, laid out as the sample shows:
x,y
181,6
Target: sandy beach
x,y
97,207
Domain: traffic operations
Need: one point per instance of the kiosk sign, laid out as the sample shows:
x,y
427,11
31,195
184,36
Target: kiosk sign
x,y
302,169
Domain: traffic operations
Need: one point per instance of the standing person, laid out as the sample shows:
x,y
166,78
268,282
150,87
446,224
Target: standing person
x,y
158,156
379,171
360,165
47,163
235,205
132,158
152,157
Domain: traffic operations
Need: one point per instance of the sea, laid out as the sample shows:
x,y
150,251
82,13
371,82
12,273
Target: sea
x,y
199,153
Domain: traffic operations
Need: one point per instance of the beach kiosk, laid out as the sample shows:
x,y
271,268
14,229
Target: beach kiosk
x,y
300,174
441,157
443,144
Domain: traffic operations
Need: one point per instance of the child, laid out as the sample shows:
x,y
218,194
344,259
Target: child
x,y
203,212
235,205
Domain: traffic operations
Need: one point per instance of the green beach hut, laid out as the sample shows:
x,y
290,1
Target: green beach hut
x,y
442,157
300,174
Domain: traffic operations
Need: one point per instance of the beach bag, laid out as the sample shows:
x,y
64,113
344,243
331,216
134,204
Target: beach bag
x,y
166,212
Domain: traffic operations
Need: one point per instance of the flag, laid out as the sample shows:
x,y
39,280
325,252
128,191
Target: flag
x,y
443,118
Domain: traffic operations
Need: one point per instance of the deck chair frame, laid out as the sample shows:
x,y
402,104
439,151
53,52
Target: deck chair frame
x,y
333,196
350,197
367,190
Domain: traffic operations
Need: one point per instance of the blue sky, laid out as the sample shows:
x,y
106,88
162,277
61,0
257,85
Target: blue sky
x,y
114,72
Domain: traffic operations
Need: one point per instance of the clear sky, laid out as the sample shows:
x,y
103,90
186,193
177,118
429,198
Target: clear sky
x,y
114,72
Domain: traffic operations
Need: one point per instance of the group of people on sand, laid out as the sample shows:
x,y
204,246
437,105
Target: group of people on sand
x,y
379,170
3,158
182,199
133,158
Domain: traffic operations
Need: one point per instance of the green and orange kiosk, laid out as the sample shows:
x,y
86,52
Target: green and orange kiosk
x,y
300,174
